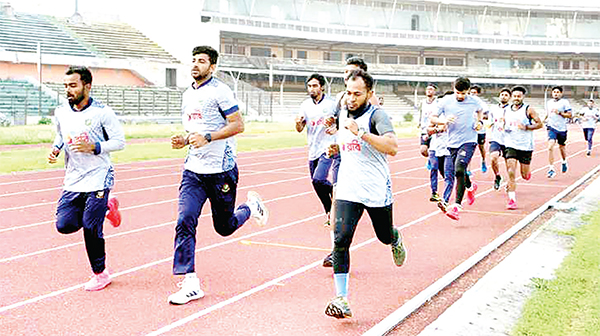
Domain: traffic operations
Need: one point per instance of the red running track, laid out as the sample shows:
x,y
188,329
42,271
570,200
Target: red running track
x,y
259,281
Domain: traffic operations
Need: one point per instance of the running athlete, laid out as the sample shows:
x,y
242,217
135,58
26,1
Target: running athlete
x,y
314,115
365,138
558,111
427,106
211,117
520,122
463,116
589,117
438,153
476,91
87,131
496,117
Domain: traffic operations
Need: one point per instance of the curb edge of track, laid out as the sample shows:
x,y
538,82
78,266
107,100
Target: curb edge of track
x,y
399,315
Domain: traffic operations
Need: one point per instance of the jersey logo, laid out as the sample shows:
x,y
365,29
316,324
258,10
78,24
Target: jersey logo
x,y
225,188
352,146
88,122
196,115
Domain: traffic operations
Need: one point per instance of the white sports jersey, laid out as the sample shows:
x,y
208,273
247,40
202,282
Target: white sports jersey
x,y
439,144
364,174
315,115
589,117
97,123
426,109
205,110
497,119
514,137
555,120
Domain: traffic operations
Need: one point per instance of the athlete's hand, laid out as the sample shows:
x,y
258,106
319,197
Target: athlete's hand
x,y
352,126
333,150
331,130
82,146
451,119
177,141
197,140
300,119
522,127
53,156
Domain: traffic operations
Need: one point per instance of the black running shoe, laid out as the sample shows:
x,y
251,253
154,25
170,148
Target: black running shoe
x,y
497,182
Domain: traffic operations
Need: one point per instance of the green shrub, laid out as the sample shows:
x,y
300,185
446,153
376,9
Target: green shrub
x,y
408,117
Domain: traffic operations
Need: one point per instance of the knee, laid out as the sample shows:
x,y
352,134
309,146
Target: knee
x,y
186,224
341,243
424,151
460,170
65,227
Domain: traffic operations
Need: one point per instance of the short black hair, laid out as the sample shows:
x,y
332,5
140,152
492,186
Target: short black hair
x,y
462,84
447,93
359,62
433,85
519,88
213,55
477,88
557,87
505,89
359,73
318,77
84,73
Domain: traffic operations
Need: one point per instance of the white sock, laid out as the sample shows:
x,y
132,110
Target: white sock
x,y
564,161
512,195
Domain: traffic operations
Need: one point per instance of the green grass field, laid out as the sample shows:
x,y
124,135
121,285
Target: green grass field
x,y
570,303
257,136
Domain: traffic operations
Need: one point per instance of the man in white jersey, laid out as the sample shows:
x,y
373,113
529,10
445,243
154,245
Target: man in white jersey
x,y
365,138
462,113
558,110
496,117
211,117
427,106
438,154
520,122
476,91
314,113
589,117
87,131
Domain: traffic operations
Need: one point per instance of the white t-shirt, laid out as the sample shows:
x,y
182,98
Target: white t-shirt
x,y
589,117
315,115
427,109
514,137
555,120
497,119
97,123
205,110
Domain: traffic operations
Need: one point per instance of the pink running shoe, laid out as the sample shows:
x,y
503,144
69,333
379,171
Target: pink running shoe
x,y
528,177
113,215
512,205
471,193
454,211
98,281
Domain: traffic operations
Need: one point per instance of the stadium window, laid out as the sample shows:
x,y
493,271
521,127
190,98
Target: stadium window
x,y
414,22
409,60
388,59
301,54
369,58
575,65
228,48
332,56
455,61
288,54
240,50
566,65
434,61
260,51
171,79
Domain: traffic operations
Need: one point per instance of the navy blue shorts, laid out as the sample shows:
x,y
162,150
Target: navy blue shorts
x,y
560,137
524,157
496,147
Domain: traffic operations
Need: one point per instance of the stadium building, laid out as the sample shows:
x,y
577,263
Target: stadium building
x,y
268,48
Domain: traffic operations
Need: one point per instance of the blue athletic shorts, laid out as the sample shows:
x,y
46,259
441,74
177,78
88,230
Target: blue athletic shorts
x,y
560,137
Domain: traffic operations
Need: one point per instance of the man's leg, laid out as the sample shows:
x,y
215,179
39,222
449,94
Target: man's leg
x,y
96,205
463,157
562,146
319,174
381,219
69,212
222,192
433,175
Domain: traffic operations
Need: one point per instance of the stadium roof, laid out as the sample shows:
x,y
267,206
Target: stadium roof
x,y
546,5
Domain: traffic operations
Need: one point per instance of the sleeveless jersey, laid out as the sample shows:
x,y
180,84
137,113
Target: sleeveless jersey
x,y
364,174
514,137
497,118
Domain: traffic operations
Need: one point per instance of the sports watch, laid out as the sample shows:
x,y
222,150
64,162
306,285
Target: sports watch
x,y
207,137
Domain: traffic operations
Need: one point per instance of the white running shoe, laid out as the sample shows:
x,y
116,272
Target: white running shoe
x,y
190,290
258,210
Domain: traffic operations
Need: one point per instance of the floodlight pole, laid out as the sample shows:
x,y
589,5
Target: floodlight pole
x,y
39,50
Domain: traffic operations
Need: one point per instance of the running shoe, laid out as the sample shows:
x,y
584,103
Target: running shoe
x,y
442,205
398,250
469,173
551,173
483,168
339,308
435,198
471,193
190,290
428,165
257,208
113,214
98,281
588,153
497,182
328,261
454,211
528,177
564,167
512,205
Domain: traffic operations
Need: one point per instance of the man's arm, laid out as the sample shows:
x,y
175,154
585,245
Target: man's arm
x,y
235,125
533,115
